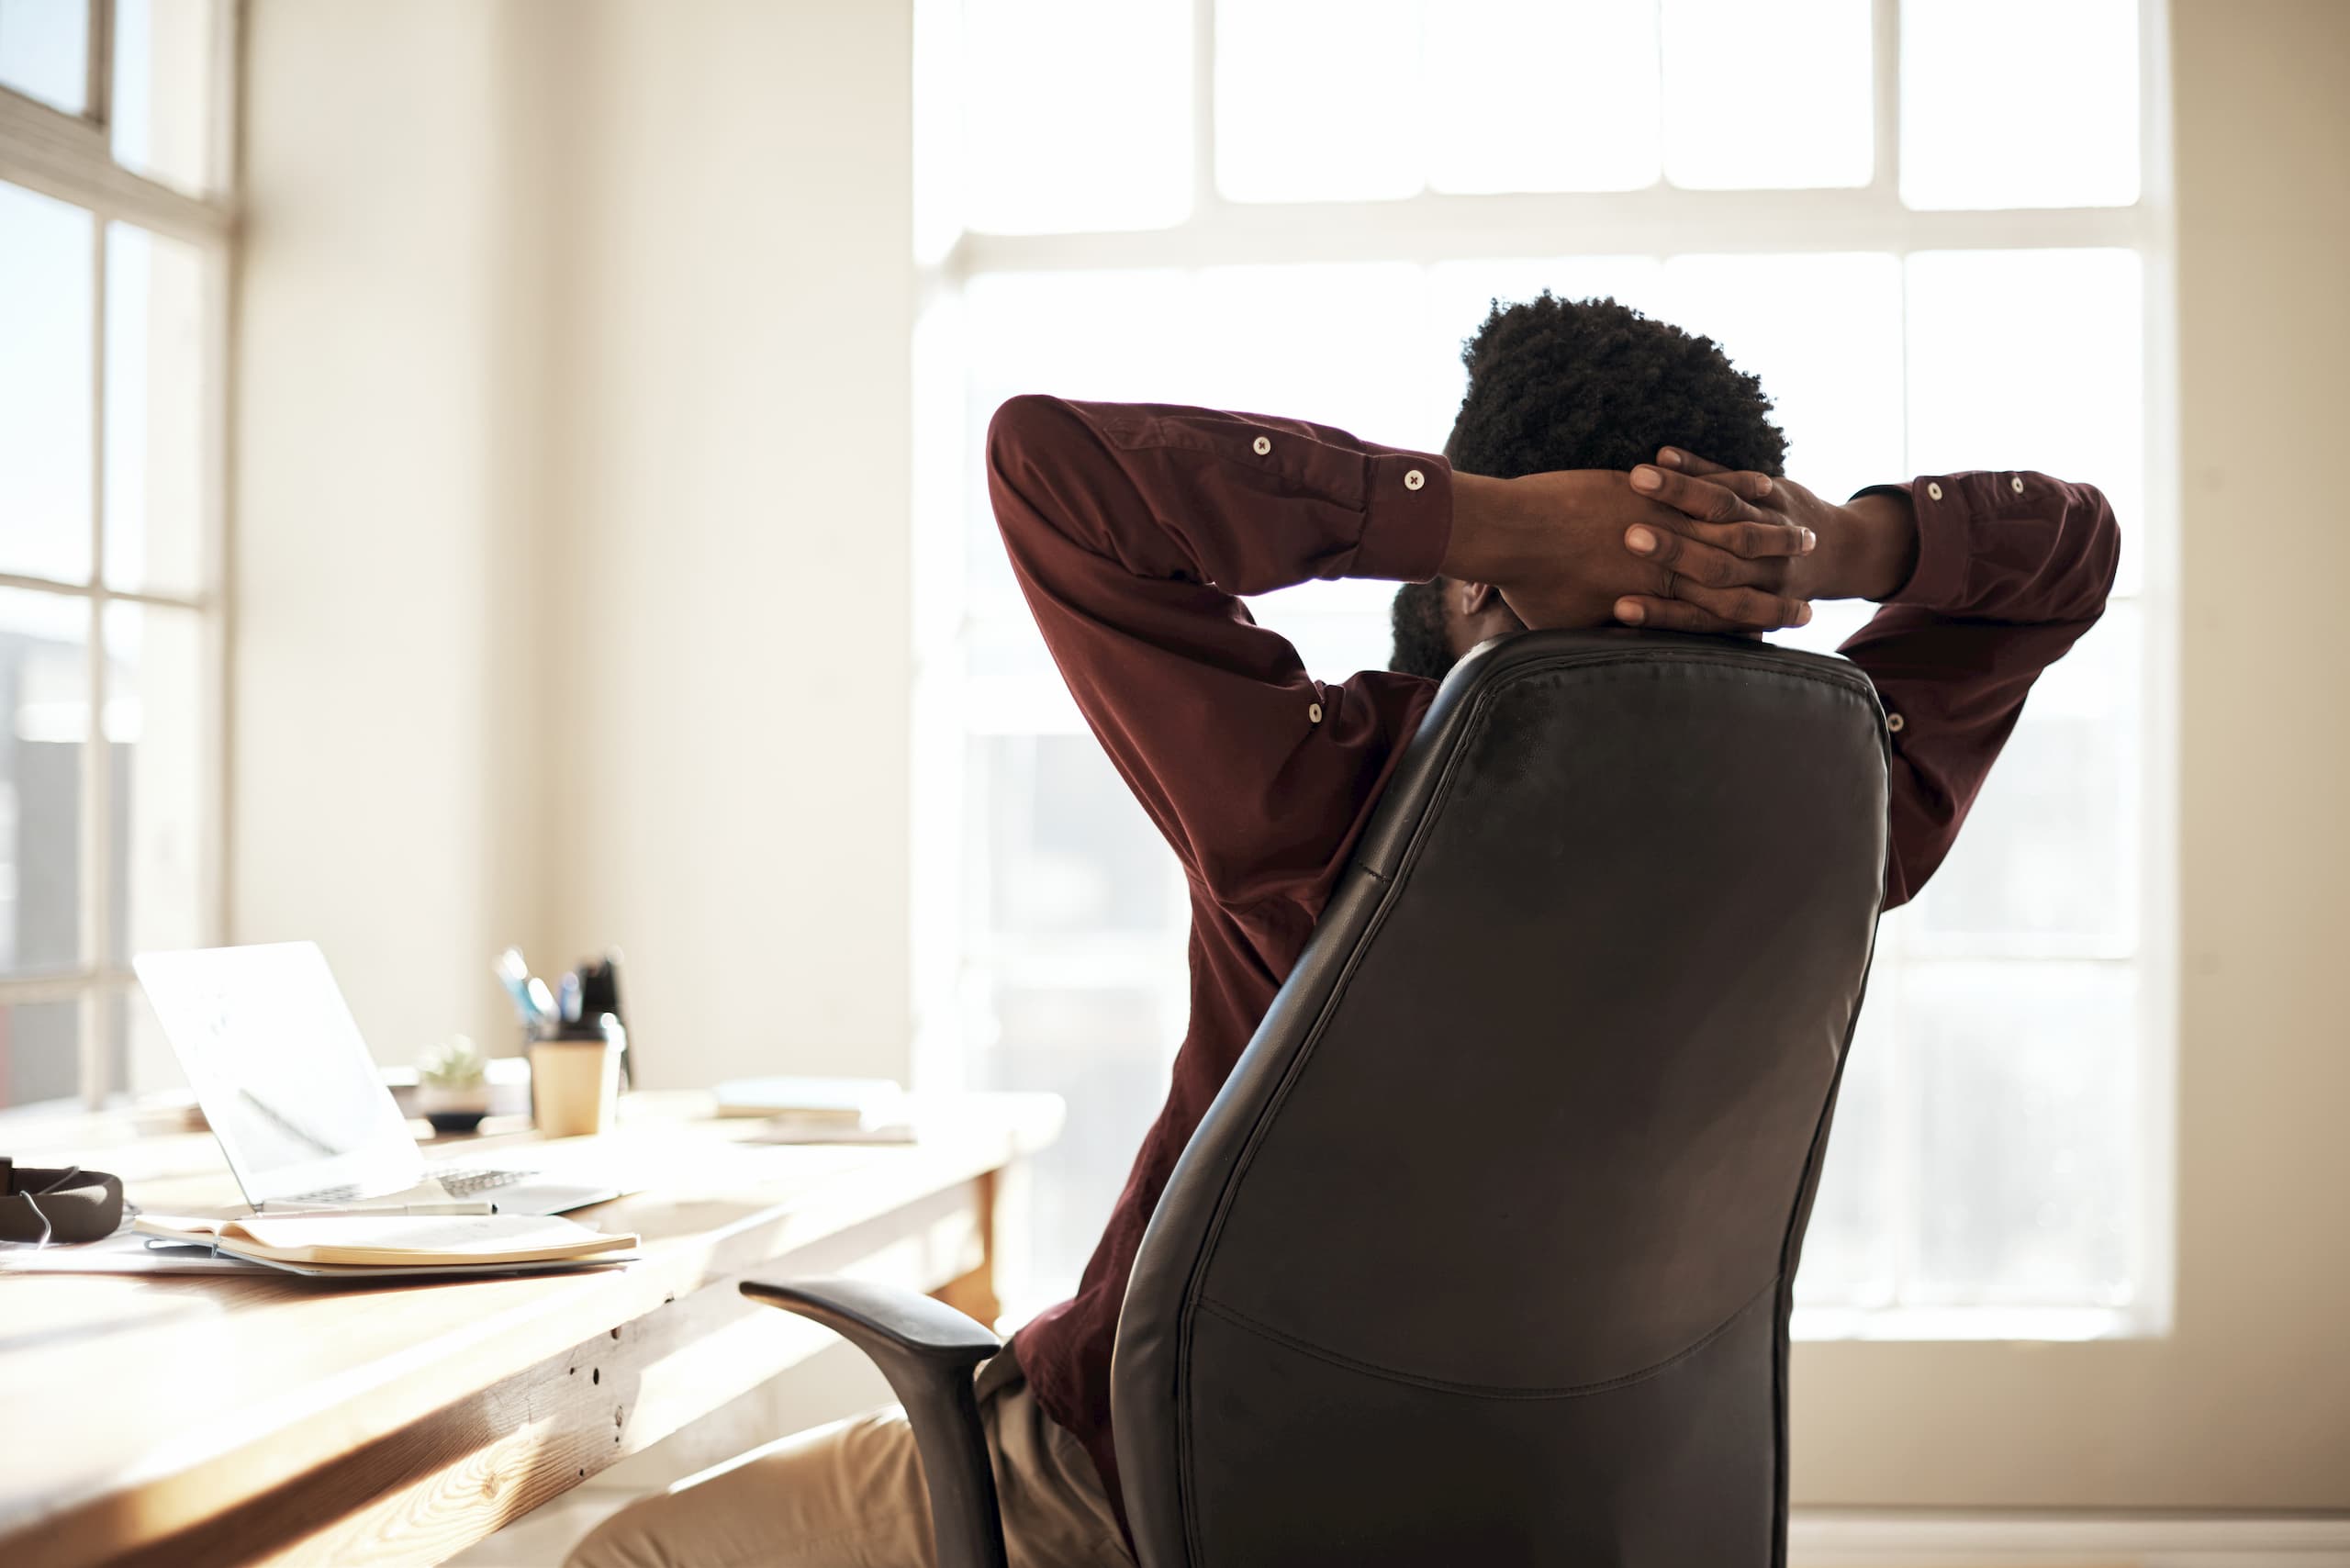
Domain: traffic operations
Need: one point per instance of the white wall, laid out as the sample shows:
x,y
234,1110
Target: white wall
x,y
380,719
571,530
730,533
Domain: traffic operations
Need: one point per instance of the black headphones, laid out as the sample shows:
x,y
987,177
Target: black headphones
x,y
69,1204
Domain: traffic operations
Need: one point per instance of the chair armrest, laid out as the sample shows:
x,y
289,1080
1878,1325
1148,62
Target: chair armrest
x,y
886,1322
927,1350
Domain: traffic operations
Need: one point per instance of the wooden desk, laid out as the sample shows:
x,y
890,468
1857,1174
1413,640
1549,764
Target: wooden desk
x,y
190,1420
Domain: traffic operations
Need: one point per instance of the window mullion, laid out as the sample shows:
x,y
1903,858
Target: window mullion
x,y
1203,187
98,96
66,985
69,157
1901,367
1434,227
1902,1145
217,587
96,764
1885,57
200,603
228,57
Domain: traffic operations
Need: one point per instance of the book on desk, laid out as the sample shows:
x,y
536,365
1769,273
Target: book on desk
x,y
371,1246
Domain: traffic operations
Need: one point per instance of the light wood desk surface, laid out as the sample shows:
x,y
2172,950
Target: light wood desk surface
x,y
197,1419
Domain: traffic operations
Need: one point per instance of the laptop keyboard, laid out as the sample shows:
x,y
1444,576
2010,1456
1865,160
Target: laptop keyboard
x,y
456,1183
465,1183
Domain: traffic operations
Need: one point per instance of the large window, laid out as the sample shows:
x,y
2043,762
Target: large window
x,y
114,233
1936,230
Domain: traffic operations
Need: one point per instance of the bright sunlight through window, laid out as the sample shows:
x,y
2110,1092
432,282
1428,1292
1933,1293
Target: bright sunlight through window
x,y
1302,207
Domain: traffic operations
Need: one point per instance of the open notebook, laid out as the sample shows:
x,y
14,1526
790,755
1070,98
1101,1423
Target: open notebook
x,y
374,1245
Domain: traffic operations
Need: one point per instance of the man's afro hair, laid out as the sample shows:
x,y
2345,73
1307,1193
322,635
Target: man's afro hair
x,y
1592,384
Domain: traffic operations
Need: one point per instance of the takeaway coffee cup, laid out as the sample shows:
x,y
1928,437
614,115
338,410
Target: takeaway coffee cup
x,y
576,1077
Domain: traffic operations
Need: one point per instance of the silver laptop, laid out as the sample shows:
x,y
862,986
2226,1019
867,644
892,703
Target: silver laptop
x,y
291,1093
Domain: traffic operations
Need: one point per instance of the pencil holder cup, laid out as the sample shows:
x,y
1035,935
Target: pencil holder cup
x,y
576,1078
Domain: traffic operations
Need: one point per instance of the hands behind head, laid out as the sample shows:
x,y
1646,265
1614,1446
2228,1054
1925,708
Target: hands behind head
x,y
1684,544
1583,547
1734,546
1718,545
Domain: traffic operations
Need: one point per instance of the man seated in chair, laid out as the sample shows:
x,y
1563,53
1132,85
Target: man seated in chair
x,y
1604,470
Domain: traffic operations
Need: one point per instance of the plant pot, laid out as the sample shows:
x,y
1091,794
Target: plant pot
x,y
453,1108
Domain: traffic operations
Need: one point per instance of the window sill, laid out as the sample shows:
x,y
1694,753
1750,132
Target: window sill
x,y
2060,1325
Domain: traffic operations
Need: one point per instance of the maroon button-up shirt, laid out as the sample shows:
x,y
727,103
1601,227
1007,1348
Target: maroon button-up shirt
x,y
1132,529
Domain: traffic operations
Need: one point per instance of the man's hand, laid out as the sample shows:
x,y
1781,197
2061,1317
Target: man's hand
x,y
1555,546
1865,549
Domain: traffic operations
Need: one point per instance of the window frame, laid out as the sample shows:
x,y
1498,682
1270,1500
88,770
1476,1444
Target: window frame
x,y
70,158
1659,220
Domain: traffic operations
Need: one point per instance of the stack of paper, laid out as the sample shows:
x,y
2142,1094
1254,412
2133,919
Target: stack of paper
x,y
821,1110
365,1244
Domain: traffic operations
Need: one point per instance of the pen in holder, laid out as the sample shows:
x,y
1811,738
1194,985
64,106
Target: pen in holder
x,y
576,1075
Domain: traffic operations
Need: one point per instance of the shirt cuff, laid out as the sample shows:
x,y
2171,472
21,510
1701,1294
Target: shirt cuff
x,y
1406,517
1945,524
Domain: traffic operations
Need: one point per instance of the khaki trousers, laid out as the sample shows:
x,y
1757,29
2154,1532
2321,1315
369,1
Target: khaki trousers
x,y
851,1495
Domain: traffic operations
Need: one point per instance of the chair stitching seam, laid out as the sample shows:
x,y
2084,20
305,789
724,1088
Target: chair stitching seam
x,y
1242,1320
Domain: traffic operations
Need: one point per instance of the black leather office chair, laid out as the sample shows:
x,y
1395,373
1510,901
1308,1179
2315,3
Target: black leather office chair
x,y
1484,1254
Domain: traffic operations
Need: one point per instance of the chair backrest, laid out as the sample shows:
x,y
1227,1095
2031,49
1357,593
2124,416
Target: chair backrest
x,y
1484,1253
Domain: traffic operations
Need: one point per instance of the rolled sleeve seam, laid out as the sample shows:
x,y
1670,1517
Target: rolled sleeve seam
x,y
1940,578
1405,532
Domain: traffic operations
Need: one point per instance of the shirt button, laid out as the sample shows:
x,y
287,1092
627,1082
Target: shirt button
x,y
1413,478
2016,484
1934,490
1262,445
1893,722
1313,712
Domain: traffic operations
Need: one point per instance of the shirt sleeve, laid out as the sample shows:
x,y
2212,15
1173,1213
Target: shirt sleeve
x,y
1132,529
2012,568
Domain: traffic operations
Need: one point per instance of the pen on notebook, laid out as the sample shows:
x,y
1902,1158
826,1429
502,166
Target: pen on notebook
x,y
308,1211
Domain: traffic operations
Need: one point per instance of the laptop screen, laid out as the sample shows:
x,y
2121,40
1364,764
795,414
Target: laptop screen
x,y
278,1065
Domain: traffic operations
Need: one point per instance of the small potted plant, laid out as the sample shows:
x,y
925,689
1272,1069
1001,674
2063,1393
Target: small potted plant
x,y
453,1086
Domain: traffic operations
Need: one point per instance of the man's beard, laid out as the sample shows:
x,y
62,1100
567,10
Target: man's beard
x,y
1422,644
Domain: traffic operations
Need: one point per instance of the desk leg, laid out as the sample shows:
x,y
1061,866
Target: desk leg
x,y
973,1292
